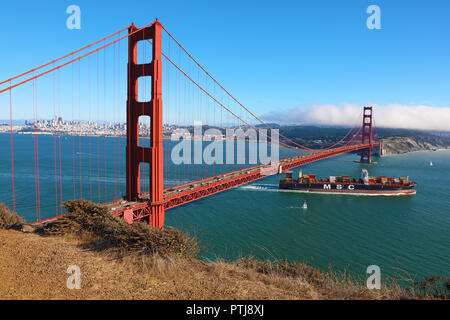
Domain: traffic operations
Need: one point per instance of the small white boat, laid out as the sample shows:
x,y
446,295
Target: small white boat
x,y
305,206
431,164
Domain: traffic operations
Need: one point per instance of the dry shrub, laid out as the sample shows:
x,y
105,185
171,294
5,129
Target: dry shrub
x,y
9,219
101,230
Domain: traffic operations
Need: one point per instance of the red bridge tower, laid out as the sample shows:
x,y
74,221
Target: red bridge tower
x,y
366,154
153,108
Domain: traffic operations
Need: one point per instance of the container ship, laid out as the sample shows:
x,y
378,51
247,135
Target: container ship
x,y
365,185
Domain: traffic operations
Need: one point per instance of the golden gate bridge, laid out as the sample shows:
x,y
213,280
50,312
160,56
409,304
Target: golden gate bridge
x,y
166,87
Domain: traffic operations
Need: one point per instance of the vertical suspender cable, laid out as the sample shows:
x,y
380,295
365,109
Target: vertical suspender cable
x,y
73,140
114,117
118,114
79,128
89,125
12,149
34,141
59,138
98,135
54,146
105,120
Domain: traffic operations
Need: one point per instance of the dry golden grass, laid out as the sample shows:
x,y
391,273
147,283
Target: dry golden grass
x,y
34,267
329,285
9,219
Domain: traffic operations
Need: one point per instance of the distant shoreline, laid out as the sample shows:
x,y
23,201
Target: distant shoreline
x,y
391,145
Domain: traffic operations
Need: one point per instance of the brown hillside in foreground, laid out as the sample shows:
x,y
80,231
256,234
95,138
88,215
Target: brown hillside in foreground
x,y
34,267
119,261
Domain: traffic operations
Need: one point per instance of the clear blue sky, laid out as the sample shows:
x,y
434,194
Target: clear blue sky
x,y
272,55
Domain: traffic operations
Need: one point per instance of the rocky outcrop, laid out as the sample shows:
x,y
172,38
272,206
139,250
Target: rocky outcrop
x,y
396,145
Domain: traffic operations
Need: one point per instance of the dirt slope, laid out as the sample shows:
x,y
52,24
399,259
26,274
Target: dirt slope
x,y
34,267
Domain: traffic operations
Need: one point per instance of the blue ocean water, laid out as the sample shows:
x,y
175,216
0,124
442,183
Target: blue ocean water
x,y
407,236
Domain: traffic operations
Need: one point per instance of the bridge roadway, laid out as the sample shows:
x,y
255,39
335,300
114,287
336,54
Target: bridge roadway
x,y
191,191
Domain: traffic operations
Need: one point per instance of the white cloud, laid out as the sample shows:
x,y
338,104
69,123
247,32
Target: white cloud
x,y
392,116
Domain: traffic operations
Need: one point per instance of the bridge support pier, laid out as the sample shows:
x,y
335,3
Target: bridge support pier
x,y
153,108
366,154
